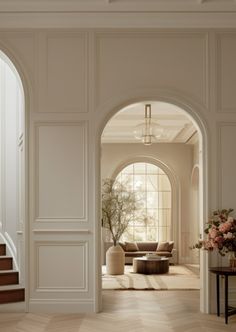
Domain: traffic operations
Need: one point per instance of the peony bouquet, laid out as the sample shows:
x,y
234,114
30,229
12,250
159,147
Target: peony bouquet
x,y
221,233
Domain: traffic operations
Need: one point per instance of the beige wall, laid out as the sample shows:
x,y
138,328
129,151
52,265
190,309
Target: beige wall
x,y
74,81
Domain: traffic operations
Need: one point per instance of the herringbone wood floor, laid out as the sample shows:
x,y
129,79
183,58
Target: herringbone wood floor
x,y
129,311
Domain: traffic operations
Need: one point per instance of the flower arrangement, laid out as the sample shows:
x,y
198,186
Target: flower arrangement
x,y
221,233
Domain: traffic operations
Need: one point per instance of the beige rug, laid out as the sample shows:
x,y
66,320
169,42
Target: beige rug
x,y
179,277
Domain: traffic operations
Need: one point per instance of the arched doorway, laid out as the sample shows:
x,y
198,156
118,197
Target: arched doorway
x,y
200,129
13,176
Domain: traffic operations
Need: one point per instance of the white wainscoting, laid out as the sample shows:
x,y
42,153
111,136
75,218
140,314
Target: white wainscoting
x,y
61,266
61,172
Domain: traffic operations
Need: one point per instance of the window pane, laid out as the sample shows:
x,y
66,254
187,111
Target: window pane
x,y
152,234
165,200
164,183
164,217
128,169
139,182
152,169
139,168
140,234
152,183
152,219
152,200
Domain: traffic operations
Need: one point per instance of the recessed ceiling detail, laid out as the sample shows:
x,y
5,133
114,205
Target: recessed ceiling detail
x,y
177,126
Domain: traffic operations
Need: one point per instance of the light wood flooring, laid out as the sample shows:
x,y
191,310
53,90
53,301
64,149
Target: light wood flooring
x,y
125,311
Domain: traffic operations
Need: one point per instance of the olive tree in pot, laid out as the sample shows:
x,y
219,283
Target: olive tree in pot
x,y
118,206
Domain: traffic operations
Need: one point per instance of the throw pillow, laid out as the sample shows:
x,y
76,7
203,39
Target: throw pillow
x,y
131,246
123,246
163,246
171,246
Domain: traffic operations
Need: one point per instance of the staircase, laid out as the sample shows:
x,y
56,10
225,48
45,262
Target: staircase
x,y
10,291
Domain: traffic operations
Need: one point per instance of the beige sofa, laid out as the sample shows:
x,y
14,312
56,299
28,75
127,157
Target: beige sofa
x,y
139,249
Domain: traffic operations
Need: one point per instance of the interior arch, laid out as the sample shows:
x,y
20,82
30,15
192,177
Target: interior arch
x,y
13,161
201,131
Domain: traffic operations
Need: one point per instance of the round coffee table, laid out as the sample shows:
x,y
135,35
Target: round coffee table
x,y
146,265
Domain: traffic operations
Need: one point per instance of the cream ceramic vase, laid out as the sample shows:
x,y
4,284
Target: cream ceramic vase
x,y
115,260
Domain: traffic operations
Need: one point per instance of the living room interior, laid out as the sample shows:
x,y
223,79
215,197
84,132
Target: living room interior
x,y
164,173
81,63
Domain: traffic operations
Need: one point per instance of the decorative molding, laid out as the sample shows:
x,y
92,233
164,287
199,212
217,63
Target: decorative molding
x,y
219,126
120,19
102,6
152,33
219,105
84,266
58,219
52,305
43,78
62,231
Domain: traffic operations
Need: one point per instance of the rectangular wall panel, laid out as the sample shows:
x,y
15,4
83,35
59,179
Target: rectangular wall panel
x,y
63,72
61,266
227,165
61,172
134,61
226,72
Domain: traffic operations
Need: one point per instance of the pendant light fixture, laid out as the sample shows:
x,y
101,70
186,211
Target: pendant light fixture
x,y
148,131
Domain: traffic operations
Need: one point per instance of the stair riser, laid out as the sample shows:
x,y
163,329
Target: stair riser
x,y
9,278
2,249
6,263
9,296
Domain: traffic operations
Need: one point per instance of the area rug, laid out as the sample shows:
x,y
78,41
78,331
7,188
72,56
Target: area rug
x,y
179,277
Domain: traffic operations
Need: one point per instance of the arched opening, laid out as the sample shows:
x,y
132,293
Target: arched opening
x,y
12,179
156,151
152,219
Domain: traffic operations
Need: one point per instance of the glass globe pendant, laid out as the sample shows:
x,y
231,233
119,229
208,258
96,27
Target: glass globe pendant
x,y
148,130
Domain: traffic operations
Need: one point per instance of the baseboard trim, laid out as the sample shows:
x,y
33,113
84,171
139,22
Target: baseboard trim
x,y
61,306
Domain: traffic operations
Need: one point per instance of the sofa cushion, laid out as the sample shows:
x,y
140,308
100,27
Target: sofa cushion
x,y
163,246
123,246
131,246
171,246
147,246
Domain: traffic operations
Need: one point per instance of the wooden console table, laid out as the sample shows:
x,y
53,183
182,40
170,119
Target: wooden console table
x,y
226,272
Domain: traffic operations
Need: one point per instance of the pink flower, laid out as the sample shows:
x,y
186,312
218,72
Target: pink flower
x,y
219,239
225,227
229,235
213,232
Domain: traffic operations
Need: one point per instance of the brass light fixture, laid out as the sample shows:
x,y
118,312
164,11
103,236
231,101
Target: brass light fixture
x,y
148,131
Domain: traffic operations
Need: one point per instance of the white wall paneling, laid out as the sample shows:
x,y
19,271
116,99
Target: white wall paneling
x,y
61,172
174,61
226,72
62,67
20,48
226,164
61,266
73,81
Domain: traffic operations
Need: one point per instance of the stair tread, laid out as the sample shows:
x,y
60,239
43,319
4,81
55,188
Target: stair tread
x,y
11,287
8,271
4,257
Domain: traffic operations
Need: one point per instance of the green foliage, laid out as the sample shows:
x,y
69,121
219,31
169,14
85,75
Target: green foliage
x,y
118,206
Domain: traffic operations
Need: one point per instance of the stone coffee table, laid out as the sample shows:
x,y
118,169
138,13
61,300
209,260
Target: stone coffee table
x,y
146,265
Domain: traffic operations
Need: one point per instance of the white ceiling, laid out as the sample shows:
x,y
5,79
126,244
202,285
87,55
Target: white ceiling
x,y
176,124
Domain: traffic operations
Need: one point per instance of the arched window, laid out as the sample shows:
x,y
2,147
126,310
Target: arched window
x,y
152,220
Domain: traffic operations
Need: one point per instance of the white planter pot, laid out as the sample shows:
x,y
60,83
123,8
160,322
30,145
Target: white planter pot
x,y
115,260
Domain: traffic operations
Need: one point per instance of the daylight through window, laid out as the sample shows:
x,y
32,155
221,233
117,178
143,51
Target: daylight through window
x,y
152,220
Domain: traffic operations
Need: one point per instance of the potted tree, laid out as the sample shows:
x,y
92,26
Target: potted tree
x,y
118,206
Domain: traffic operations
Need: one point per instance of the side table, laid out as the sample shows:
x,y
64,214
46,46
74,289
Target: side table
x,y
226,272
